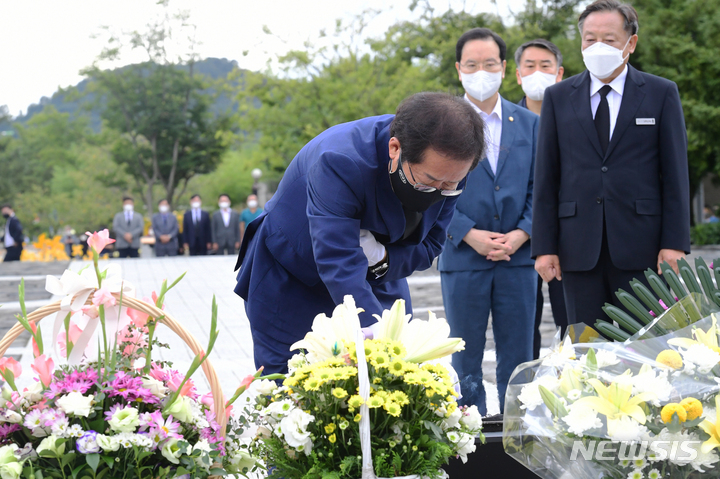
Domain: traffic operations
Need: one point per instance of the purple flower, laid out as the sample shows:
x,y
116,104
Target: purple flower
x,y
87,444
129,388
663,304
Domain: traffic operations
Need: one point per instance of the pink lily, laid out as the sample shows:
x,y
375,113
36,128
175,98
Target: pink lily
x,y
103,297
11,365
44,367
74,334
36,348
99,240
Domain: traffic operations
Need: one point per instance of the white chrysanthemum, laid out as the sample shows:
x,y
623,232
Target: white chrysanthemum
x,y
653,474
605,358
664,443
702,357
530,394
581,418
465,445
574,394
648,381
710,414
639,463
472,418
626,429
75,430
277,410
635,474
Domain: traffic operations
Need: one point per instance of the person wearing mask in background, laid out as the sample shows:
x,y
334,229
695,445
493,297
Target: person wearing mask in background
x,y
128,227
539,65
709,215
611,181
225,228
197,233
361,207
165,227
486,265
12,235
249,214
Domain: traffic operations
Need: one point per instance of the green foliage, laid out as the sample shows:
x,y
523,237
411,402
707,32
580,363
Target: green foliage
x,y
705,234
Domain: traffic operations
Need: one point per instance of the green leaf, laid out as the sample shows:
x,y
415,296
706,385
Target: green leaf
x,y
110,461
93,460
591,360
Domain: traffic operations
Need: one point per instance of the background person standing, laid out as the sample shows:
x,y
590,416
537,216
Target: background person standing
x,y
249,214
165,227
197,234
486,265
225,228
12,235
128,227
539,65
611,183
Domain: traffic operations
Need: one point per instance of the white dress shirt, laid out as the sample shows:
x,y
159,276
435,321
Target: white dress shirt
x,y
9,241
226,216
196,215
493,131
614,98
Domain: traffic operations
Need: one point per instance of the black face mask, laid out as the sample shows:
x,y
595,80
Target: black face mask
x,y
411,198
6,215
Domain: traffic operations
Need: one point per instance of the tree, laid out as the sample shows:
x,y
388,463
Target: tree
x,y
161,109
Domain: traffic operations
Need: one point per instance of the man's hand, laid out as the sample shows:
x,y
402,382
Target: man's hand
x,y
548,267
514,239
671,256
237,245
164,238
215,246
209,246
486,243
128,237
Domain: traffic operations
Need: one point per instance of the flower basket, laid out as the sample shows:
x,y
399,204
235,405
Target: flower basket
x,y
147,308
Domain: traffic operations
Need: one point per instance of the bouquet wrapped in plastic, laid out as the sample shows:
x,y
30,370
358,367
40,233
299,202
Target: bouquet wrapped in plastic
x,y
353,407
646,407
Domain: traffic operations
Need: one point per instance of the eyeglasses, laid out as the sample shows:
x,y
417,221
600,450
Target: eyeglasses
x,y
472,66
421,187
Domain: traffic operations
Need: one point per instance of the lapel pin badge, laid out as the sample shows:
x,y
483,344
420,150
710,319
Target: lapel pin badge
x,y
511,118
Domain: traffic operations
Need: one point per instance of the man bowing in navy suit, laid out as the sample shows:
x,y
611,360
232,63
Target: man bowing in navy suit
x,y
360,208
486,265
611,179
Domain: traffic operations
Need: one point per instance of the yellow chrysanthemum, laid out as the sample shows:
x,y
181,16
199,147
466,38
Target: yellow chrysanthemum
x,y
330,428
411,378
312,384
332,438
392,408
400,398
339,393
396,348
693,407
290,382
397,368
375,401
357,417
670,358
670,409
380,360
355,401
451,407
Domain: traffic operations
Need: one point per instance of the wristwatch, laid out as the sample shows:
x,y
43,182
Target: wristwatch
x,y
379,270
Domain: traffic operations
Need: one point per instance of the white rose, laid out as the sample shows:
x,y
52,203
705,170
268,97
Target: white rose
x,y
204,447
241,461
171,451
266,387
472,418
10,467
181,409
49,444
125,420
157,388
294,428
453,419
75,404
34,393
107,443
465,445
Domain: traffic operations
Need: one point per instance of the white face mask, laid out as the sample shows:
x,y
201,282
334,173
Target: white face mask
x,y
128,208
164,208
481,85
602,60
534,85
252,204
196,204
224,204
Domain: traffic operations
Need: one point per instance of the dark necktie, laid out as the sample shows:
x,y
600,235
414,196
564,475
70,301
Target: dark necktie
x,y
128,218
602,119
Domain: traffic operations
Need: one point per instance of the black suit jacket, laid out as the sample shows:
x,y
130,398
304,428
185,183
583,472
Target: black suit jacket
x,y
639,189
203,235
16,229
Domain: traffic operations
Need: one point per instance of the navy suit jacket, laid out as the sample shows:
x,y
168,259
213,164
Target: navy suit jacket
x,y
189,236
336,185
499,202
639,190
16,229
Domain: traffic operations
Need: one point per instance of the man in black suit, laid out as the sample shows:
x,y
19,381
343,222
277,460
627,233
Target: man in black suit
x,y
611,177
197,234
13,236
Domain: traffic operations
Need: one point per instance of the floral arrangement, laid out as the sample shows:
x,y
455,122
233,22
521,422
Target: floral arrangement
x,y
643,408
108,409
45,249
311,425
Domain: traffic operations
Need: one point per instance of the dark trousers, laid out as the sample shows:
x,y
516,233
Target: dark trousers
x,y
12,253
128,253
586,292
559,312
226,248
198,249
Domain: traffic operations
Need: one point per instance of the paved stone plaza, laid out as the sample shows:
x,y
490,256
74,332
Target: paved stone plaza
x,y
190,302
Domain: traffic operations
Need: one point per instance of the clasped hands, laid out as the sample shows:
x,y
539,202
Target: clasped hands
x,y
496,246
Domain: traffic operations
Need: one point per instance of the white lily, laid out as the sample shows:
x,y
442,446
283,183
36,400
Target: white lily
x,y
423,340
325,340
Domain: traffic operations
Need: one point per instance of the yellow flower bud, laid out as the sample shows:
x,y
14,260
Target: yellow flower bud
x,y
693,407
670,358
670,409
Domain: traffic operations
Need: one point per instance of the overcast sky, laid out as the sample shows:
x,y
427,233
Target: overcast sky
x,y
45,43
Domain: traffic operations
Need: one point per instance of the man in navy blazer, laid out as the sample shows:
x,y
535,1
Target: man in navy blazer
x,y
611,179
12,237
486,265
359,208
197,232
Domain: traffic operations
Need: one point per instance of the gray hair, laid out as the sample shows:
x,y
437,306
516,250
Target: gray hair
x,y
627,11
539,43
